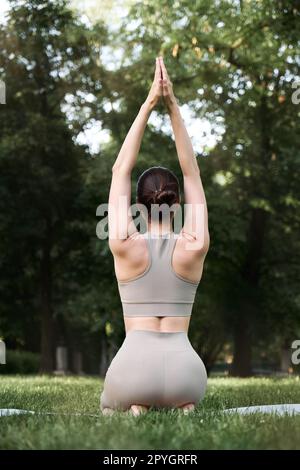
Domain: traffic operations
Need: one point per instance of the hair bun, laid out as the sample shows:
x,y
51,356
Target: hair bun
x,y
166,196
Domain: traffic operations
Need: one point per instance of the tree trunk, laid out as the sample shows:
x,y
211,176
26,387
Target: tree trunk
x,y
285,356
241,365
257,230
47,347
285,360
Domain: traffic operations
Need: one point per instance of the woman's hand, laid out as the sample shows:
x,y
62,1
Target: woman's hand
x,y
167,86
156,89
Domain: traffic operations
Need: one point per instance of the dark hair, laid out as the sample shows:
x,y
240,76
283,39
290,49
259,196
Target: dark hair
x,y
157,185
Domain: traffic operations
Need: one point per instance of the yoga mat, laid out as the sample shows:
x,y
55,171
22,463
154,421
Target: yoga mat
x,y
280,409
13,411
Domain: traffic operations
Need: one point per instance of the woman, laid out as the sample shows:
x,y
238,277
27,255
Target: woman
x,y
157,272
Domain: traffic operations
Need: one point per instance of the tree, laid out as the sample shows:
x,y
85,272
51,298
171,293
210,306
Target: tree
x,y
45,55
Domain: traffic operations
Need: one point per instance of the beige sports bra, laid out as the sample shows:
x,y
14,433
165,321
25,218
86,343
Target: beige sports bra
x,y
158,291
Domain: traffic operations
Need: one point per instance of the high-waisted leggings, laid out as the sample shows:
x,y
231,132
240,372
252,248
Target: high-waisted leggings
x,y
154,369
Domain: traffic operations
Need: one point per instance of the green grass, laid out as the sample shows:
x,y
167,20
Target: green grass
x,y
207,428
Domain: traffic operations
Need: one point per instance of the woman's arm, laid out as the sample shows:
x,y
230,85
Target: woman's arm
x,y
120,222
196,215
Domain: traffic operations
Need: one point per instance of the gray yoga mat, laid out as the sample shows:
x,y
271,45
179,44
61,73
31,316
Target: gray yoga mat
x,y
13,411
281,409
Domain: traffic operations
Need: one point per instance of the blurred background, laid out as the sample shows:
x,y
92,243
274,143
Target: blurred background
x,y
73,77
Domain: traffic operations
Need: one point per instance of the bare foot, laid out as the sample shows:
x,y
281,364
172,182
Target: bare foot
x,y
187,408
137,410
107,411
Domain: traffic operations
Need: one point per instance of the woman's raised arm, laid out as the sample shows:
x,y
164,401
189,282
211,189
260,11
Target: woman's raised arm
x,y
196,216
120,222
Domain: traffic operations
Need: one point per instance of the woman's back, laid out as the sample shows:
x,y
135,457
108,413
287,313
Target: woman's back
x,y
158,274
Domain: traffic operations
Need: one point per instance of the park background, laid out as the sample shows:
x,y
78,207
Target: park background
x,y
76,74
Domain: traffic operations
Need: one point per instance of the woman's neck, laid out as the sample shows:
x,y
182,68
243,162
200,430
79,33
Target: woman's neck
x,y
159,229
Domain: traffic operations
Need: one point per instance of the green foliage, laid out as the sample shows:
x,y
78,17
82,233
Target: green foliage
x,y
20,362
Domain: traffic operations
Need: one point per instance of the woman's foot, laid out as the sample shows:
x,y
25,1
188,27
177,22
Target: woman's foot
x,y
187,408
107,411
137,410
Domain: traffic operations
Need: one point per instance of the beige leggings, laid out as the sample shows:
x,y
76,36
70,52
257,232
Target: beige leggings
x,y
155,369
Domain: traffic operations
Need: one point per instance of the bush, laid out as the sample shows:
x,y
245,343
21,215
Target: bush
x,y
20,362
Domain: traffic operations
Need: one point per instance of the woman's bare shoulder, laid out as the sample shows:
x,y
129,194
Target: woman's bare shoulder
x,y
121,246
190,243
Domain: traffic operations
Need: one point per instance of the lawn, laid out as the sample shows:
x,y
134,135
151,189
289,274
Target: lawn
x,y
207,428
